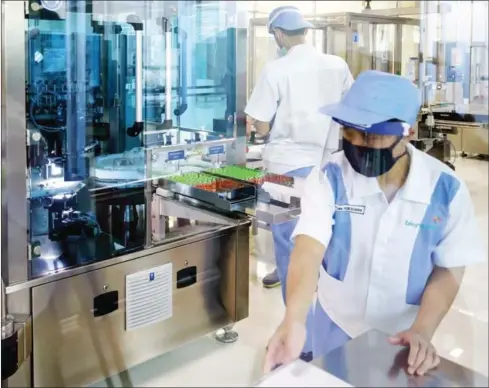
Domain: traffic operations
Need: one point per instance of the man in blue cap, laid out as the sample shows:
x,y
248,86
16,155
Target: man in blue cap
x,y
388,229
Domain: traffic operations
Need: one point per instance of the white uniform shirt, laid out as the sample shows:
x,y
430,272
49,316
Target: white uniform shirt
x,y
380,255
292,89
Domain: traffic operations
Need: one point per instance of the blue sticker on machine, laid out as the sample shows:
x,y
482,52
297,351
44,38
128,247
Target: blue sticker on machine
x,y
355,37
216,150
176,155
151,276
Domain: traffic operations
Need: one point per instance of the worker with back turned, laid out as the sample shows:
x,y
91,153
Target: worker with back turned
x,y
289,92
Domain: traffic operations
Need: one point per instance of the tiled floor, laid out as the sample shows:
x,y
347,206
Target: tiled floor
x,y
462,336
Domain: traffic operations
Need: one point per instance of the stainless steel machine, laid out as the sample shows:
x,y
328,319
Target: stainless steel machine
x,y
125,226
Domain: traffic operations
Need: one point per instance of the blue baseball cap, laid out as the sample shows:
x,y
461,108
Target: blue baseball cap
x,y
287,18
375,102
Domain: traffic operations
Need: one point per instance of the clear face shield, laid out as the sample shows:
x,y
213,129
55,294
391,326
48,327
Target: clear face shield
x,y
373,151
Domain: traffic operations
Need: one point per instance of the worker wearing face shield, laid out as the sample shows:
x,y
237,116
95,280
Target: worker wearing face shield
x,y
285,106
389,230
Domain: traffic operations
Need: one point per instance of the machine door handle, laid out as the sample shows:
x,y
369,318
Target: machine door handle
x,y
186,277
180,110
138,125
105,303
167,31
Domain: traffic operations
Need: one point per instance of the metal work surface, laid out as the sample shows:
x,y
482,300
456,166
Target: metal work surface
x,y
370,361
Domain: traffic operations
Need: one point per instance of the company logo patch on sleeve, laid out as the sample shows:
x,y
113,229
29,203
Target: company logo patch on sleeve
x,y
356,209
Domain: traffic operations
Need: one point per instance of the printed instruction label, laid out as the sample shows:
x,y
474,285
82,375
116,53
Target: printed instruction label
x,y
149,296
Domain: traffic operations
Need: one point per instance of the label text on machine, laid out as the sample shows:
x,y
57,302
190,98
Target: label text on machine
x,y
176,155
216,150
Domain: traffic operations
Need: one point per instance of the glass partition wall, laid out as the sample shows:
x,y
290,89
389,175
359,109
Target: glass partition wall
x,y
455,52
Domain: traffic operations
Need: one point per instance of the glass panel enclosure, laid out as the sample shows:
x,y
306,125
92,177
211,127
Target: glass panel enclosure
x,y
79,104
207,66
371,43
456,52
362,56
104,81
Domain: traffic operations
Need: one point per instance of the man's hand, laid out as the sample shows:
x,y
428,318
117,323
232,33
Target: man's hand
x,y
285,345
422,354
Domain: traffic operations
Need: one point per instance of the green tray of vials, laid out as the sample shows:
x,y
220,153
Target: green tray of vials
x,y
249,175
219,191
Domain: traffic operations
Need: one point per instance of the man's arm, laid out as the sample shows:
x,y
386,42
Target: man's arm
x,y
302,277
258,126
439,294
460,246
312,235
262,128
438,297
263,103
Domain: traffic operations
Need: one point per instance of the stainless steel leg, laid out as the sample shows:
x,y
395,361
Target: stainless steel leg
x,y
227,335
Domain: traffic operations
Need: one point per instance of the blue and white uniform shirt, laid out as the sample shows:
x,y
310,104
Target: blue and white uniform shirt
x,y
380,253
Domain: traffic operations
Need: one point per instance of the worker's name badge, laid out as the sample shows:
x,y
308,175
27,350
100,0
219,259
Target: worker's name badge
x,y
356,209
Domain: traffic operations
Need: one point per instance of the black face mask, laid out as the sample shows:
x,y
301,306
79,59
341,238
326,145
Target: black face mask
x,y
371,162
